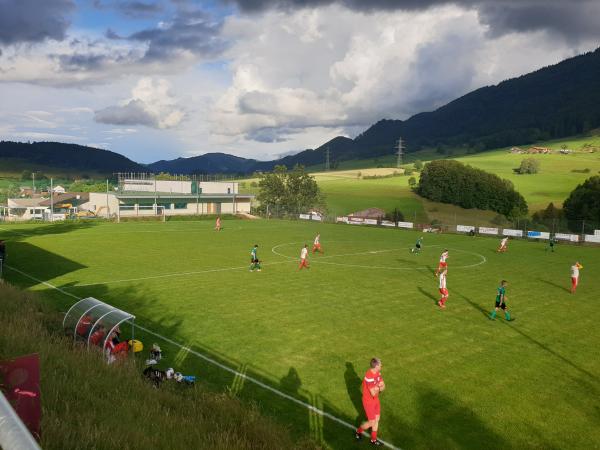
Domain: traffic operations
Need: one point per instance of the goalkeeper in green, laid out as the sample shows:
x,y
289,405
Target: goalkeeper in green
x,y
254,261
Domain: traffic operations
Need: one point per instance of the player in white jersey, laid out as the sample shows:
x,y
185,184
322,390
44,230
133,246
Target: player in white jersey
x,y
442,264
575,276
303,255
443,289
317,244
503,244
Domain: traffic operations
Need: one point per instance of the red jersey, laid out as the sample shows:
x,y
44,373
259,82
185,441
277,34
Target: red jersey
x,y
371,380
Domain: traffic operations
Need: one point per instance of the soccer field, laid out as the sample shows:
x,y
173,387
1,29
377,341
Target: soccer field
x,y
454,378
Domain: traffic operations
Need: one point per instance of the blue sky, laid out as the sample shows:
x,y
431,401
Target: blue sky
x,y
160,79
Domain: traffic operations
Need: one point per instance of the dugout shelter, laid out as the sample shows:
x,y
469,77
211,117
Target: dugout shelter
x,y
92,322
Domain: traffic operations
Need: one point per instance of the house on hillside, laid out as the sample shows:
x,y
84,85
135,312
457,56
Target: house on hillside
x,y
59,189
539,151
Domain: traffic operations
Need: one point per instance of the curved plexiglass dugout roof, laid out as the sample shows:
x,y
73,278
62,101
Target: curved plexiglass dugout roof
x,y
92,322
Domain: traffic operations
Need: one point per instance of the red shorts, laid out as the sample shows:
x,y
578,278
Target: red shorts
x,y
372,408
317,246
574,281
443,264
444,292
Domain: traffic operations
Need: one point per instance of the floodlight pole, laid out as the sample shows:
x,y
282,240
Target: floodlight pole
x,y
51,200
107,208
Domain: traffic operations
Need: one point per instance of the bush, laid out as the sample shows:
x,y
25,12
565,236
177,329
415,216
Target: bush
x,y
408,171
412,182
395,216
584,202
449,181
418,164
529,166
586,170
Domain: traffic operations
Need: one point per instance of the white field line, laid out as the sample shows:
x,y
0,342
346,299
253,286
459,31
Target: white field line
x,y
225,269
320,258
223,366
289,259
177,274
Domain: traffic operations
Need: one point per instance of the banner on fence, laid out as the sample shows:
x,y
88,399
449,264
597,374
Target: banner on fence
x,y
464,228
405,224
567,237
356,220
305,216
387,223
21,386
511,232
370,221
341,219
487,230
316,217
592,238
538,235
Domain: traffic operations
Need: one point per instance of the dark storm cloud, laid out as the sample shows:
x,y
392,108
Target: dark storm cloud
x,y
33,20
574,19
133,9
191,31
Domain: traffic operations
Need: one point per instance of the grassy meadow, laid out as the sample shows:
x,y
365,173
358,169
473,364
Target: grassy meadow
x,y
347,192
455,379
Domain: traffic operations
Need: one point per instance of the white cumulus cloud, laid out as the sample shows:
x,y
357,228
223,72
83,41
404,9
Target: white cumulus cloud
x,y
151,104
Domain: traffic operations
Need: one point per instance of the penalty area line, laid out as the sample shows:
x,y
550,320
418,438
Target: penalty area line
x,y
220,365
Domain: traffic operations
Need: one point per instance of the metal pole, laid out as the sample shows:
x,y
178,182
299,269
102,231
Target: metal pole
x,y
51,200
107,208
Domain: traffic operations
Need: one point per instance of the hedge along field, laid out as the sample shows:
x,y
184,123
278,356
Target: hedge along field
x,y
455,380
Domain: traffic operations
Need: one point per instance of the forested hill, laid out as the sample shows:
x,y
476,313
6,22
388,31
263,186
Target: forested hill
x,y
553,102
68,156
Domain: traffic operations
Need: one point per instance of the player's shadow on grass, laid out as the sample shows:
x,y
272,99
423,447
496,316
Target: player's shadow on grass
x,y
442,422
474,305
353,386
429,295
556,285
531,339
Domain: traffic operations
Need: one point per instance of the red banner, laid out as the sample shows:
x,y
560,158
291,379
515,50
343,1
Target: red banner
x,y
20,383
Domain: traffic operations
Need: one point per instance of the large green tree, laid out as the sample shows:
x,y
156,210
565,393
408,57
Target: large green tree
x,y
289,191
584,202
450,181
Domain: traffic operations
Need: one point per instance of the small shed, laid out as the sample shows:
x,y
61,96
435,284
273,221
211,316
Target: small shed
x,y
93,322
370,213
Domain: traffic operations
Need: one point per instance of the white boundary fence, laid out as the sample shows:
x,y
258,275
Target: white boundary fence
x,y
488,231
13,432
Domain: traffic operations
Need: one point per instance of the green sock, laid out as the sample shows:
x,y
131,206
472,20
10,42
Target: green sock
x,y
252,266
493,314
507,315
258,266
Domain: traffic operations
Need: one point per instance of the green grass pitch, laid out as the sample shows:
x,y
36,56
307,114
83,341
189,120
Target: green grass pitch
x,y
454,378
